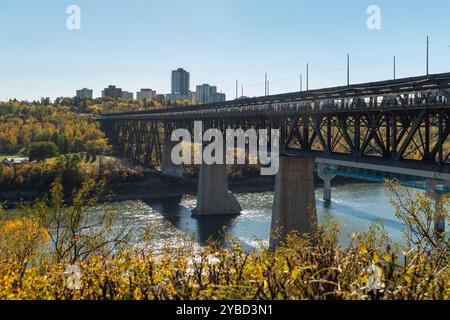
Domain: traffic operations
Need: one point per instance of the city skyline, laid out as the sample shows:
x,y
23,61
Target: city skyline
x,y
241,45
242,152
180,91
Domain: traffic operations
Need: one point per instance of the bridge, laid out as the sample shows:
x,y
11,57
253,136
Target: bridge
x,y
398,126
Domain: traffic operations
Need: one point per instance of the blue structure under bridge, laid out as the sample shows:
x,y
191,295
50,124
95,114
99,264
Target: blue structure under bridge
x,y
381,177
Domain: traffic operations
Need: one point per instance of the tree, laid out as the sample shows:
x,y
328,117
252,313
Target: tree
x,y
77,231
21,241
42,150
418,211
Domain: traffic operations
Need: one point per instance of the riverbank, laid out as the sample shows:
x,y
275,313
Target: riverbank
x,y
155,185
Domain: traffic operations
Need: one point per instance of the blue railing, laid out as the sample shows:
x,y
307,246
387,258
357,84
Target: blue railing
x,y
380,177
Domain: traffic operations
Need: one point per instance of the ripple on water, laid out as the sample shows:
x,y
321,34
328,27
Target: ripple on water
x,y
143,219
355,207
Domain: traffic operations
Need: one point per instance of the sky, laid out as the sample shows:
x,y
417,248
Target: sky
x,y
135,44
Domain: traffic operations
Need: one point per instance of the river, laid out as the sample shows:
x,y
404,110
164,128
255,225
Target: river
x,y
355,207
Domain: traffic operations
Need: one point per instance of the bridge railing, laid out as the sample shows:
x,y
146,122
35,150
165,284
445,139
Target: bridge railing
x,y
297,107
426,91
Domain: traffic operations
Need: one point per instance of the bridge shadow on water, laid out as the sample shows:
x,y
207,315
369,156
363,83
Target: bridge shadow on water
x,y
214,228
203,228
332,208
208,228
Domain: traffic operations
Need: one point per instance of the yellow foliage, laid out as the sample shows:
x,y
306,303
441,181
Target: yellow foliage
x,y
21,240
294,271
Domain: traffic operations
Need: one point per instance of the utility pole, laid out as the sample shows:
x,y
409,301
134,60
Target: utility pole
x,y
307,77
265,85
348,69
395,71
428,55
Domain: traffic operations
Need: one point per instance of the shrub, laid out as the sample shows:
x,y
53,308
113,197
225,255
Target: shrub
x,y
21,242
366,269
313,266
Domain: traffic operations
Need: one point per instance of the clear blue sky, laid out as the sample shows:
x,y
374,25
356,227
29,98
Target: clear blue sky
x,y
135,43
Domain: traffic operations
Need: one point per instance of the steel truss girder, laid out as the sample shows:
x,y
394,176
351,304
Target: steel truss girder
x,y
418,137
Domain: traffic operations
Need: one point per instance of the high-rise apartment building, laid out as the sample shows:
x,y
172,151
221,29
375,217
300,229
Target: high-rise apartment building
x,y
180,82
112,92
206,93
85,93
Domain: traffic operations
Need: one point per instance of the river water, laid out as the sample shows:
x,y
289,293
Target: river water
x,y
355,207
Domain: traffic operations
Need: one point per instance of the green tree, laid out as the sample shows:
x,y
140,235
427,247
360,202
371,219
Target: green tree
x,y
42,150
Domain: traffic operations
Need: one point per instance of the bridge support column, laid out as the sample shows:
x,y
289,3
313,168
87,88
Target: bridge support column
x,y
325,172
167,166
439,218
294,207
213,196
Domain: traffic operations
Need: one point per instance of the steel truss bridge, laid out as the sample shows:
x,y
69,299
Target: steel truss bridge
x,y
396,126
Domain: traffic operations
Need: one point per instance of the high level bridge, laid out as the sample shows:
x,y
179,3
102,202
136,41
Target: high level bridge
x,y
400,126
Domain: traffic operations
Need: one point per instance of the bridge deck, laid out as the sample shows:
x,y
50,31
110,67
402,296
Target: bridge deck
x,y
298,101
401,123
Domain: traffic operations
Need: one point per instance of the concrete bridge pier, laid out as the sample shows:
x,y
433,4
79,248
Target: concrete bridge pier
x,y
439,218
294,207
325,173
167,166
213,196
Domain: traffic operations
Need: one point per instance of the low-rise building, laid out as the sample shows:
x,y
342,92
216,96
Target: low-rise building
x,y
146,94
12,162
160,98
194,97
127,95
175,97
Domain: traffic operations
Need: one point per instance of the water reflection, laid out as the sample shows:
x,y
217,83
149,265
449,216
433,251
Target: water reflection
x,y
214,228
203,228
354,207
169,209
331,207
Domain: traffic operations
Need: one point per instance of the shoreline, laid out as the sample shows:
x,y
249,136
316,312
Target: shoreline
x,y
155,185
